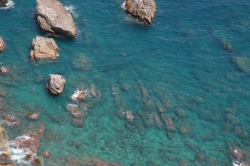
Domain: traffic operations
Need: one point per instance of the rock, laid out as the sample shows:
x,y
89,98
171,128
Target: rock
x,y
56,84
129,116
77,122
32,116
81,62
2,44
144,10
225,45
12,121
4,71
3,2
169,124
242,63
29,142
54,18
76,113
46,154
5,164
44,48
157,121
238,154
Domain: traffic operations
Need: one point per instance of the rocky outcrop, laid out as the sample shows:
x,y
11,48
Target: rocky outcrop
x,y
2,44
44,48
144,10
56,84
55,19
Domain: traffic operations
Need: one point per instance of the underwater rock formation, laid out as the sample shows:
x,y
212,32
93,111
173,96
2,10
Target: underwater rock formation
x,y
54,18
144,10
12,121
56,84
242,63
2,44
169,124
81,62
44,48
46,154
77,122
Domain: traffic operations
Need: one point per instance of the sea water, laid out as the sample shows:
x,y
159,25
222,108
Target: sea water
x,y
176,67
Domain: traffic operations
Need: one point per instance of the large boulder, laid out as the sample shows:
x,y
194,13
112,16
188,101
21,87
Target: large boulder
x,y
44,48
56,84
2,44
54,18
144,10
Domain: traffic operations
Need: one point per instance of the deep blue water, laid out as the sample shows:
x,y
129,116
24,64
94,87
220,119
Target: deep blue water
x,y
178,61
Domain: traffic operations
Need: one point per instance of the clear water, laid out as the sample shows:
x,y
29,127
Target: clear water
x,y
178,63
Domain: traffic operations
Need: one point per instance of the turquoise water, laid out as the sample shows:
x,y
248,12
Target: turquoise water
x,y
175,64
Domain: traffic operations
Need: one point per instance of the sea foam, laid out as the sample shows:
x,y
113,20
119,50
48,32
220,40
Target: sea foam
x,y
11,5
71,9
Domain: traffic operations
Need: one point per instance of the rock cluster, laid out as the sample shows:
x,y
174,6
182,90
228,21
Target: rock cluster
x,y
56,84
54,18
2,44
44,48
144,10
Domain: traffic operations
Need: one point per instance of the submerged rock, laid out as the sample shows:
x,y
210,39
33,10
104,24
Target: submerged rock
x,y
32,116
144,10
242,63
56,84
2,44
44,48
54,18
81,62
4,71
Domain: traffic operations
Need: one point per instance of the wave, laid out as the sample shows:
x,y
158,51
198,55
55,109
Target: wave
x,y
71,9
10,5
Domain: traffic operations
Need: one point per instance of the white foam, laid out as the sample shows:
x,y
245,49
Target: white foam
x,y
10,5
71,106
123,5
71,9
17,154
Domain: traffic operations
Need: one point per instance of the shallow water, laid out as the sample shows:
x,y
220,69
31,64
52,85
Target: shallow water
x,y
175,64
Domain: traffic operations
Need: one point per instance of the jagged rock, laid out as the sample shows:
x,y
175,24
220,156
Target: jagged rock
x,y
242,63
44,48
56,84
54,18
2,44
144,10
